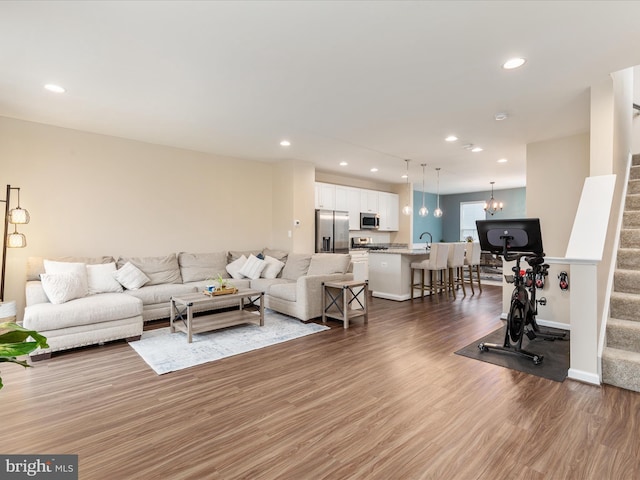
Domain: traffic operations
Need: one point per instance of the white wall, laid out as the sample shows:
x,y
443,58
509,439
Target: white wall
x,y
97,195
556,170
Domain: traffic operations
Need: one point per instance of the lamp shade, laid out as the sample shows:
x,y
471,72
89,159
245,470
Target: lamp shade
x,y
16,240
18,216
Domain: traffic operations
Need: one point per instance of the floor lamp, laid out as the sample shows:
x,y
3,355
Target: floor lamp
x,y
15,216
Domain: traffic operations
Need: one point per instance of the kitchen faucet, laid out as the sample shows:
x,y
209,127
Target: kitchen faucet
x,y
430,238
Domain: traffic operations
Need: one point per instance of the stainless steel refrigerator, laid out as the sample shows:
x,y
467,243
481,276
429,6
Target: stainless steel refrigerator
x,y
332,231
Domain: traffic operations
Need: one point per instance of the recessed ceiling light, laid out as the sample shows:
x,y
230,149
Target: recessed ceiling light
x,y
404,176
451,138
54,88
343,164
500,116
285,143
374,169
476,149
503,160
513,63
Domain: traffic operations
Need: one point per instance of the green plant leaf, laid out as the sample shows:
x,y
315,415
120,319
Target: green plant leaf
x,y
12,333
13,343
17,349
15,360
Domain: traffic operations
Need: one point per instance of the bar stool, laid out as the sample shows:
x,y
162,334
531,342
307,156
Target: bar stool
x,y
455,264
472,260
436,265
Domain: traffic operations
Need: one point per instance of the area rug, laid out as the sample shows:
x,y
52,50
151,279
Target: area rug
x,y
167,352
554,366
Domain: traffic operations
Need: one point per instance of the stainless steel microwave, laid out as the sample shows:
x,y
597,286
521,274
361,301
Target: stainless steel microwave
x,y
369,221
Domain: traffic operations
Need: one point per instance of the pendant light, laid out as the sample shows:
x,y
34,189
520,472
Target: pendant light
x,y
438,211
407,210
424,211
492,206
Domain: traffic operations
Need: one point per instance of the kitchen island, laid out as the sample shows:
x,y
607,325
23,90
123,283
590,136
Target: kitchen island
x,y
390,271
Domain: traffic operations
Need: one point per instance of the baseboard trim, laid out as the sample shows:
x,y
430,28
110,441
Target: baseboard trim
x,y
583,376
387,296
543,323
552,324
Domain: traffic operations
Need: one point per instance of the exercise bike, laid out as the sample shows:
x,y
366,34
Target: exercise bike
x,y
523,309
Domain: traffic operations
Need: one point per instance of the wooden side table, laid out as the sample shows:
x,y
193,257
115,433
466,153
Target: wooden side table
x,y
341,296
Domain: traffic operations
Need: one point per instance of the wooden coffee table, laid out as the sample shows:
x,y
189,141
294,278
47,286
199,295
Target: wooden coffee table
x,y
182,318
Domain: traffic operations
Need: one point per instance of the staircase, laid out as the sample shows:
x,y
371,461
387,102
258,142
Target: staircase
x,y
621,356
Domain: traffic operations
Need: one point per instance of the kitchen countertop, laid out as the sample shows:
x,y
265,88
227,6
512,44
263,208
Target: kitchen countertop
x,y
403,251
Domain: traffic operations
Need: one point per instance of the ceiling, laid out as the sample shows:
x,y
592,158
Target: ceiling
x,y
369,83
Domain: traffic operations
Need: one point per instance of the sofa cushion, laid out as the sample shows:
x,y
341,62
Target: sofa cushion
x,y
272,267
202,266
150,295
159,269
80,285
284,291
82,311
252,268
35,265
264,284
327,263
62,287
236,254
277,254
130,276
101,278
234,267
296,266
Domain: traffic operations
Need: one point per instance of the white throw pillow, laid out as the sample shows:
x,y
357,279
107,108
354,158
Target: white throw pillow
x,y
234,267
53,267
101,280
253,267
130,276
272,267
62,287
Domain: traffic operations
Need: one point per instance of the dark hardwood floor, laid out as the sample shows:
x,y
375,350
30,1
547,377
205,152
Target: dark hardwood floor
x,y
387,400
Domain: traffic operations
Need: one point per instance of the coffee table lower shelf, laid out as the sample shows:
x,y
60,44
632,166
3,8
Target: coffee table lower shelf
x,y
182,318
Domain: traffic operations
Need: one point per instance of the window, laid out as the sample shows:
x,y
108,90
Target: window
x,y
469,213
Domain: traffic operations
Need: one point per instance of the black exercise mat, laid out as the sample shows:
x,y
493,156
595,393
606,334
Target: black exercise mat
x,y
554,366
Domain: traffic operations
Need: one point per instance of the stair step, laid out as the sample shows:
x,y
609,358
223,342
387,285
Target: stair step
x,y
620,368
623,334
635,159
634,173
634,187
632,202
626,281
625,306
630,238
629,258
631,219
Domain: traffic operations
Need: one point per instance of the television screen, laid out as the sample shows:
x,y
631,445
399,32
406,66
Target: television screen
x,y
511,235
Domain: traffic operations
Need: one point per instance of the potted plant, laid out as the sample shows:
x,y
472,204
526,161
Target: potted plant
x,y
14,343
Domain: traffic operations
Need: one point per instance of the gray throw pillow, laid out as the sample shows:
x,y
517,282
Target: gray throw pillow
x,y
160,270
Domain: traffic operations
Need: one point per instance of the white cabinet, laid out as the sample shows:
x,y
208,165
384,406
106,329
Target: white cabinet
x,y
355,200
325,196
342,198
389,205
348,199
360,260
369,201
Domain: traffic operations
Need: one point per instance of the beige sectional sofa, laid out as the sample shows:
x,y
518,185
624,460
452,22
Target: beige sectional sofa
x,y
292,284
